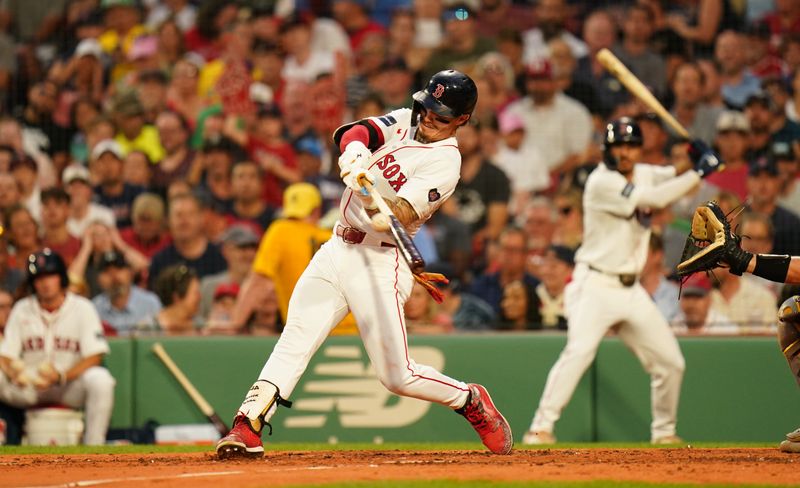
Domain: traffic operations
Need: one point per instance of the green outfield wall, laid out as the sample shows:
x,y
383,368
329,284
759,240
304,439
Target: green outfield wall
x,y
735,389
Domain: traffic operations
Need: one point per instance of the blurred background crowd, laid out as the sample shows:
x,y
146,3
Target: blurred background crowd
x,y
178,154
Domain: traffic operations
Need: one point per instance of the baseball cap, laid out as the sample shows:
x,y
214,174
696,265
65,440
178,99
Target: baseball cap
x,y
649,117
107,145
759,96
226,290
128,104
75,172
509,121
562,253
732,120
300,199
539,69
764,164
696,285
782,151
88,47
112,258
240,235
460,11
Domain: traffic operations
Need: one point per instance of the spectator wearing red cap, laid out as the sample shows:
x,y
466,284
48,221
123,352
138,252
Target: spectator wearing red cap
x,y
696,314
223,301
558,126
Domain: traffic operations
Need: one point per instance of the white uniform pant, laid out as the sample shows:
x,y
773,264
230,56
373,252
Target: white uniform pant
x,y
594,302
373,282
93,391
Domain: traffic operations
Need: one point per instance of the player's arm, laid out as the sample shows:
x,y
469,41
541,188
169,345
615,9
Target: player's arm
x,y
5,367
254,288
401,209
76,371
663,194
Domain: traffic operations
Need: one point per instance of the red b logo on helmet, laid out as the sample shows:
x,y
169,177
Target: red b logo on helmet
x,y
439,91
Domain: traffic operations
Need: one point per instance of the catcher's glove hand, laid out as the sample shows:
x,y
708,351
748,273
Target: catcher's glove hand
x,y
711,243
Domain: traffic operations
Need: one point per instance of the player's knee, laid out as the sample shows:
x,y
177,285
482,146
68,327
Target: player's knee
x,y
397,384
580,352
99,380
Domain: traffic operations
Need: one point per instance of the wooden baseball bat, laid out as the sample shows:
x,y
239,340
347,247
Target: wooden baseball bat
x,y
407,248
187,385
637,89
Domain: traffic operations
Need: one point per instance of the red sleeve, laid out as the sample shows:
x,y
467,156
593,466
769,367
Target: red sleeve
x,y
355,133
363,133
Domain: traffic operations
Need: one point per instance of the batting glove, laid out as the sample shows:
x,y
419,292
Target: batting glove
x,y
705,160
355,155
354,181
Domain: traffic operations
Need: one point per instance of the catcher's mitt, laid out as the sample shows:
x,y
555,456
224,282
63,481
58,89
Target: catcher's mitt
x,y
711,243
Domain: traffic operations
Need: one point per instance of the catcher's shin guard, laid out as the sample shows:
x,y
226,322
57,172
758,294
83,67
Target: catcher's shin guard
x,y
789,335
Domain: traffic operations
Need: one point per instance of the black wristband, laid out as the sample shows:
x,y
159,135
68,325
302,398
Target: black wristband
x,y
773,267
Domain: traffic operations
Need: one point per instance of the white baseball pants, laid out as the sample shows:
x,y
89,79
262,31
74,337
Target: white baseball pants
x,y
594,302
93,391
373,282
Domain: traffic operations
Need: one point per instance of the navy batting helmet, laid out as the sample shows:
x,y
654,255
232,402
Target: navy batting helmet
x,y
449,93
621,131
46,262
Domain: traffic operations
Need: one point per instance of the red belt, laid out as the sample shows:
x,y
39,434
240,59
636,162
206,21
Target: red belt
x,y
351,235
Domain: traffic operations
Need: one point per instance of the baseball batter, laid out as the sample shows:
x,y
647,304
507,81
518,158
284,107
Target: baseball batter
x,y
53,349
605,291
412,159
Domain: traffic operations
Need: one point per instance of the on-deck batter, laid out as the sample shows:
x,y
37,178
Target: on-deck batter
x,y
605,289
412,158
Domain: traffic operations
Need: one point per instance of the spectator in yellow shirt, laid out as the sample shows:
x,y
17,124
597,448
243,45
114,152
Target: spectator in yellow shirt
x,y
133,133
285,250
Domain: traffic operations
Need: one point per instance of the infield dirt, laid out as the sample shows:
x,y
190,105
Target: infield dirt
x,y
285,468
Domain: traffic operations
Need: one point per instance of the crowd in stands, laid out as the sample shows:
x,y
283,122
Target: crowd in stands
x,y
178,154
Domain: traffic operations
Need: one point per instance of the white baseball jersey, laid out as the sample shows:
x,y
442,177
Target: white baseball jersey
x,y
612,207
425,175
615,241
371,280
63,337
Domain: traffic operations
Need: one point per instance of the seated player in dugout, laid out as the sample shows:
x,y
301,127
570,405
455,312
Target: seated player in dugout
x,y
411,157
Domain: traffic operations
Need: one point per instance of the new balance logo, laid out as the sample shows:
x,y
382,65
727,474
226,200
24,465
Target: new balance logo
x,y
344,386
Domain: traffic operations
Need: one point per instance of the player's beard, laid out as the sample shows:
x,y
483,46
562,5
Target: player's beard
x,y
420,137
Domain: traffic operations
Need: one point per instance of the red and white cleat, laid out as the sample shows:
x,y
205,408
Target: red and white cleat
x,y
487,421
241,442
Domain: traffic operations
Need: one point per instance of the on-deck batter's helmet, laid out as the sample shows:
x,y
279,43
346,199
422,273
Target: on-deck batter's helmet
x,y
449,93
46,262
621,131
